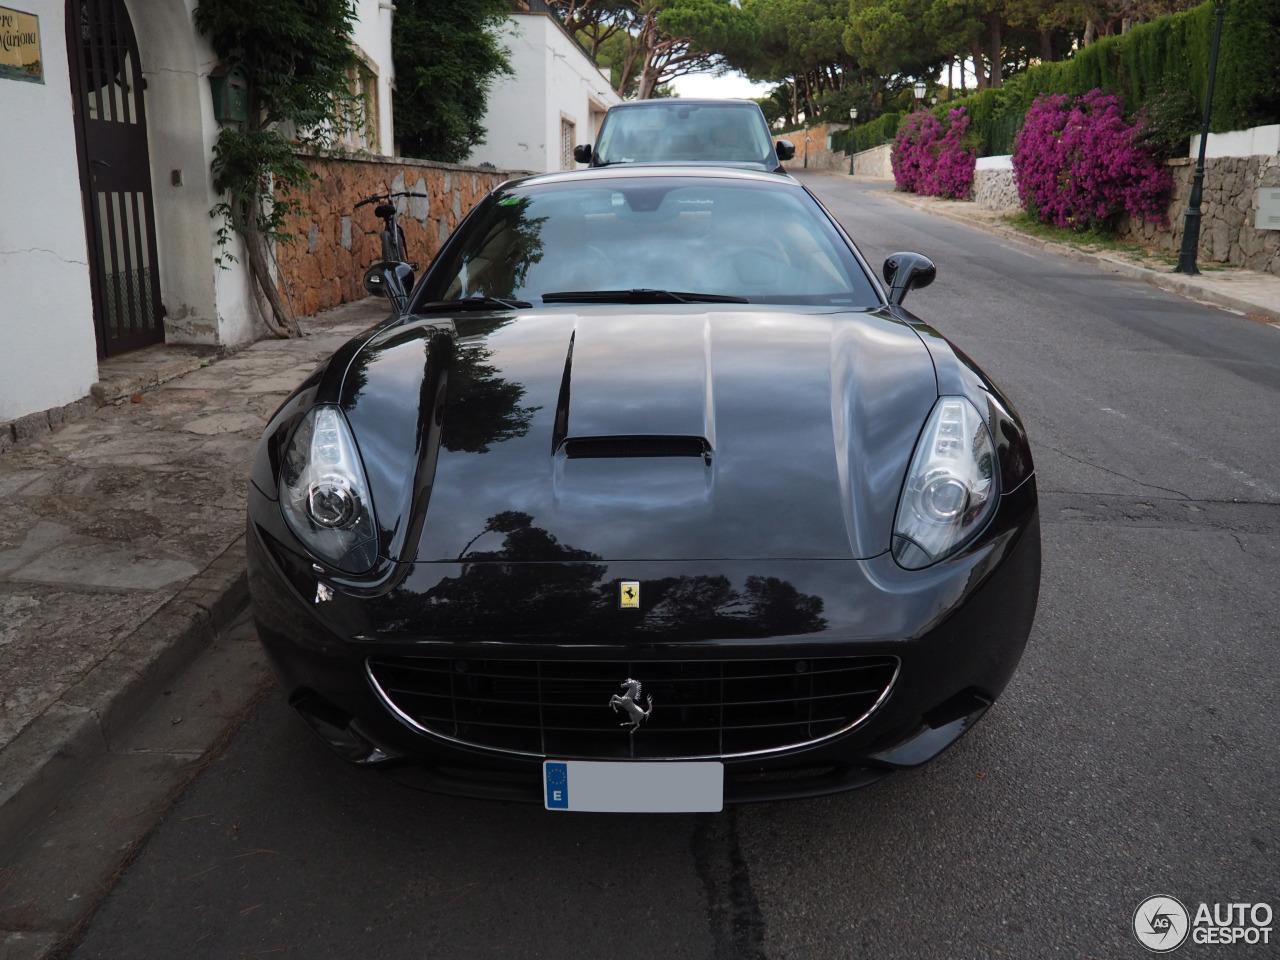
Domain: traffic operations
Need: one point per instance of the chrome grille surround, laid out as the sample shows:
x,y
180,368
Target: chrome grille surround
x,y
560,708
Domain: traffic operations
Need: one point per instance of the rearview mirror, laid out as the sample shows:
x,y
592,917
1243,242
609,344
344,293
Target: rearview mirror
x,y
582,153
786,149
907,271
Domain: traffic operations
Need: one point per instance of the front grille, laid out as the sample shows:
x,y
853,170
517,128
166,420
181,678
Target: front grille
x,y
701,708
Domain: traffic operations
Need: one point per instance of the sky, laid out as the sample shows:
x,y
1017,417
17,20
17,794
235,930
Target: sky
x,y
728,86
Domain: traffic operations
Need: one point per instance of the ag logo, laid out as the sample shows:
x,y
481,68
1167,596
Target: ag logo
x,y
1161,924
629,594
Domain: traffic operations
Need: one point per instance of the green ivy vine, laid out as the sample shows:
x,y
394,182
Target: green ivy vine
x,y
297,55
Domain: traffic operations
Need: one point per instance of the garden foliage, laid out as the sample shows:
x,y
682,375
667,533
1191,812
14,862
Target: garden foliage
x,y
297,55
1078,164
929,156
1142,66
880,130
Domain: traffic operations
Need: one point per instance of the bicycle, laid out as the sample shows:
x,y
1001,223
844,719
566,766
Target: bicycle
x,y
393,276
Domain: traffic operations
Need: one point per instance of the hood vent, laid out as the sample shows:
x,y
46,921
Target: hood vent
x,y
612,448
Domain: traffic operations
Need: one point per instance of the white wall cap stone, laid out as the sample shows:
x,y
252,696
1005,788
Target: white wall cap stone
x,y
1002,162
1256,141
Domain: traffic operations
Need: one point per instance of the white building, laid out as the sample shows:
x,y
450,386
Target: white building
x,y
554,99
106,243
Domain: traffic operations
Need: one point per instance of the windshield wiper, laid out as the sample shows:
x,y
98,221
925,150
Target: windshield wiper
x,y
640,295
472,303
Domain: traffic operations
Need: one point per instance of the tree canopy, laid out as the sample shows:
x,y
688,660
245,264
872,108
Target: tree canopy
x,y
646,44
835,54
446,57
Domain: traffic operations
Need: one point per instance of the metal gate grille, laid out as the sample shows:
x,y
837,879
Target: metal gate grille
x,y
115,174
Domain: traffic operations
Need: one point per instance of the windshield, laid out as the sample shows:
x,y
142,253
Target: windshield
x,y
658,132
767,242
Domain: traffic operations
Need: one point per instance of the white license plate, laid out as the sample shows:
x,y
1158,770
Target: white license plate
x,y
639,786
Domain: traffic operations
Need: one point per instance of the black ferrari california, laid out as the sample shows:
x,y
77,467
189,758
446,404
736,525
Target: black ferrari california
x,y
654,499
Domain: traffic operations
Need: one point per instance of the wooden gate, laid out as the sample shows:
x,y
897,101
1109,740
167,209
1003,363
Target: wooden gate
x,y
115,175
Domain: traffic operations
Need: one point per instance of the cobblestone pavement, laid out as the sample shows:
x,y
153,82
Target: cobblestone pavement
x,y
123,529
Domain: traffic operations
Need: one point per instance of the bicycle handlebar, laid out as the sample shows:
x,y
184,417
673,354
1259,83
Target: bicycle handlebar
x,y
387,196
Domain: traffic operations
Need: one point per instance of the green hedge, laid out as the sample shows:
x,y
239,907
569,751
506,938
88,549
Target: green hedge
x,y
870,134
880,130
1169,53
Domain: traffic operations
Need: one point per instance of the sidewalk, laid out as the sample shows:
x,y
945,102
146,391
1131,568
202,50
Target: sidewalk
x,y
122,553
1250,292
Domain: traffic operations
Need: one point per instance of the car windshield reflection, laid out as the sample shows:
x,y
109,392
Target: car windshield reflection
x,y
657,240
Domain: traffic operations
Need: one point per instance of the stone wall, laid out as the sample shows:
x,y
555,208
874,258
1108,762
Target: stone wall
x,y
996,190
874,162
868,163
820,158
337,243
994,186
1227,210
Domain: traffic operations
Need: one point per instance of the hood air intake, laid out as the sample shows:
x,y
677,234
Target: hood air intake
x,y
612,448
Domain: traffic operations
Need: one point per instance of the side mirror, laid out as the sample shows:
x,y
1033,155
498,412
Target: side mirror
x,y
582,153
786,149
375,281
390,279
907,271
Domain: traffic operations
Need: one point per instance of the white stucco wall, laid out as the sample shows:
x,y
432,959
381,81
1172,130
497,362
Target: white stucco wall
x,y
48,353
552,79
202,305
48,348
372,35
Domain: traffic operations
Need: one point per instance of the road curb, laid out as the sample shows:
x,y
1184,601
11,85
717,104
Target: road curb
x,y
1169,282
49,755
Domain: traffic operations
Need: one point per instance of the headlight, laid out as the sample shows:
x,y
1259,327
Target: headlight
x,y
324,495
952,486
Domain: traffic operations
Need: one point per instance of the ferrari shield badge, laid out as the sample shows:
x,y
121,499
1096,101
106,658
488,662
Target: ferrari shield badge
x,y
629,595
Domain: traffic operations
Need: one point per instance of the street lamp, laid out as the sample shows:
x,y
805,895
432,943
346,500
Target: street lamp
x,y
1191,228
920,89
853,140
933,101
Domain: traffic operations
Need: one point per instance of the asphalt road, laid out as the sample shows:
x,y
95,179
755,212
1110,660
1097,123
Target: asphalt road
x,y
1134,753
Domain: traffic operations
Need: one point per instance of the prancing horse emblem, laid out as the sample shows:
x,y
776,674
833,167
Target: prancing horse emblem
x,y
629,702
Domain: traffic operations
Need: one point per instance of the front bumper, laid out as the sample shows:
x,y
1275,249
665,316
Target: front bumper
x,y
957,631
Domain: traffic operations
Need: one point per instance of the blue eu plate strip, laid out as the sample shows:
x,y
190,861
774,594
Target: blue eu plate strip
x,y
557,785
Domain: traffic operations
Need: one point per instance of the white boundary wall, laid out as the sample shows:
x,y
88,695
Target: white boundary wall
x,y
48,353
372,35
552,80
1256,141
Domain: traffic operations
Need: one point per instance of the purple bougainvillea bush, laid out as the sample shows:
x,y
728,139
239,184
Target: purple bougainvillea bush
x,y
928,158
917,134
1078,164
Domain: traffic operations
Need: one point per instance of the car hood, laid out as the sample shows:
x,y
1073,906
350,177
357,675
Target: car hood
x,y
633,433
